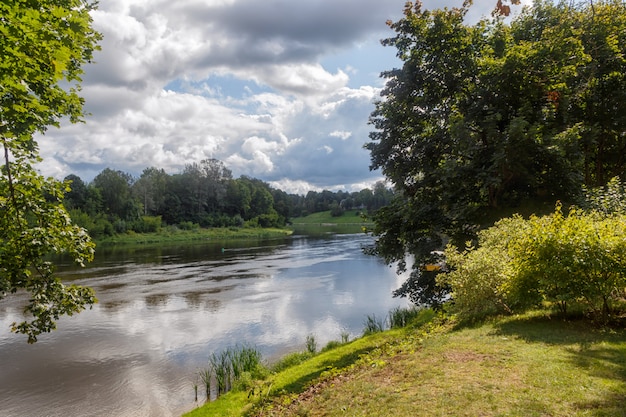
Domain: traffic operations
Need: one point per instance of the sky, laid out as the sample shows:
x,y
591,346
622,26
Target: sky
x,y
279,90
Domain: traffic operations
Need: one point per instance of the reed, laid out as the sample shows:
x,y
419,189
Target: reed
x,y
373,324
403,316
245,359
206,377
222,367
311,344
229,366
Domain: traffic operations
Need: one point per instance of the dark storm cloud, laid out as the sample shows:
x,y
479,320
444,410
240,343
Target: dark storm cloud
x,y
280,31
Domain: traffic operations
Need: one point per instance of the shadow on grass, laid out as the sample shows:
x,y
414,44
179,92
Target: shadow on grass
x,y
599,352
343,361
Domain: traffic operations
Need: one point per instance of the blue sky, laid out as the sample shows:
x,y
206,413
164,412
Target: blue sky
x,y
280,90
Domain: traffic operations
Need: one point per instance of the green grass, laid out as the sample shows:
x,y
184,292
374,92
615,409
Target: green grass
x,y
324,217
530,365
172,235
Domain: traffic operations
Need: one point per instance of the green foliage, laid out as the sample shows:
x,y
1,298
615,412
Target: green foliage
x,y
608,199
291,360
482,117
97,226
373,324
482,278
232,368
404,316
333,344
311,344
147,224
564,260
188,226
43,47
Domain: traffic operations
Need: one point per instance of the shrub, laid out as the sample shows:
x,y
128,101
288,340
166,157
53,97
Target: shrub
x,y
186,225
333,344
290,360
565,260
147,224
577,258
482,279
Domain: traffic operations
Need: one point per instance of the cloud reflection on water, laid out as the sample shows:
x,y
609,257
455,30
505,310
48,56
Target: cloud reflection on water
x,y
157,323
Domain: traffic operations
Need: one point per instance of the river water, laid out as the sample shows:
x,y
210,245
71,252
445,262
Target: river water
x,y
162,311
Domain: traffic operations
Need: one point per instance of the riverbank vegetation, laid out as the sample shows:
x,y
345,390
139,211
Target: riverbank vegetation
x,y
532,364
203,195
173,234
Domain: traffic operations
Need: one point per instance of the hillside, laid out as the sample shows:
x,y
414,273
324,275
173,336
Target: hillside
x,y
324,217
535,365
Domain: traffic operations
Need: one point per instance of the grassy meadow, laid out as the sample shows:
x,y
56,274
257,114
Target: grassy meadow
x,y
324,217
530,365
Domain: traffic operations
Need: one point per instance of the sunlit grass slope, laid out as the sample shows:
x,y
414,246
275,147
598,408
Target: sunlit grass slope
x,y
518,366
324,217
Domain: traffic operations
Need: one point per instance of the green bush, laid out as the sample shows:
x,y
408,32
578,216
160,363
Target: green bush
x,y
564,260
333,344
483,279
290,360
186,225
147,224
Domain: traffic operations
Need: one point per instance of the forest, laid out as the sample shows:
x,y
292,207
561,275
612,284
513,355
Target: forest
x,y
204,194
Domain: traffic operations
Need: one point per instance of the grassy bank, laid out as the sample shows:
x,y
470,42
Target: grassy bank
x,y
324,217
531,365
174,235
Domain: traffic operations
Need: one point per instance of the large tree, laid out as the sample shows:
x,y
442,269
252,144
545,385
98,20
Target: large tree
x,y
484,116
43,46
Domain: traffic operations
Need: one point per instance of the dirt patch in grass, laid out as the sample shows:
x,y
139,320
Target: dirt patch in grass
x,y
465,356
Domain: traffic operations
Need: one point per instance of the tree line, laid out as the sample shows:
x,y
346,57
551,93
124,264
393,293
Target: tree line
x,y
204,194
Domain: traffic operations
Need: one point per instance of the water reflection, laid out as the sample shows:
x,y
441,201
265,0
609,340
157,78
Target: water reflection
x,y
163,310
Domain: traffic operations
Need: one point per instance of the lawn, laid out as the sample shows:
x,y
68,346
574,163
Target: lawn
x,y
532,365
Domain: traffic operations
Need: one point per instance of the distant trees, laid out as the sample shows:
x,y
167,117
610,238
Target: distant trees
x,y
486,116
204,194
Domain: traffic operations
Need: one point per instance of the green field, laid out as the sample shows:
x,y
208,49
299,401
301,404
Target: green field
x,y
324,217
532,365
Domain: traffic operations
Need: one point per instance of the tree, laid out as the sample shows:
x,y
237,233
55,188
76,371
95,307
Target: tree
x,y
43,47
150,189
77,196
483,117
117,199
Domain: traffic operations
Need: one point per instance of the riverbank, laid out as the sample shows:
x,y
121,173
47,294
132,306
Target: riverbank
x,y
348,217
531,365
175,235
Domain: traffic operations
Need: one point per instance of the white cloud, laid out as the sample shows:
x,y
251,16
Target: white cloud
x,y
238,80
343,135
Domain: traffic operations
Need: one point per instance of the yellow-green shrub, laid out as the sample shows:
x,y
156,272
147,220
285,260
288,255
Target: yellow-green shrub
x,y
579,258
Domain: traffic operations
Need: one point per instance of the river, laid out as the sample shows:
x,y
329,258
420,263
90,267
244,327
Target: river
x,y
163,310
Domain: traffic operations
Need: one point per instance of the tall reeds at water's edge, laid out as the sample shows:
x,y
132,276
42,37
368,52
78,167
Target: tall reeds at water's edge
x,y
229,367
241,367
397,317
